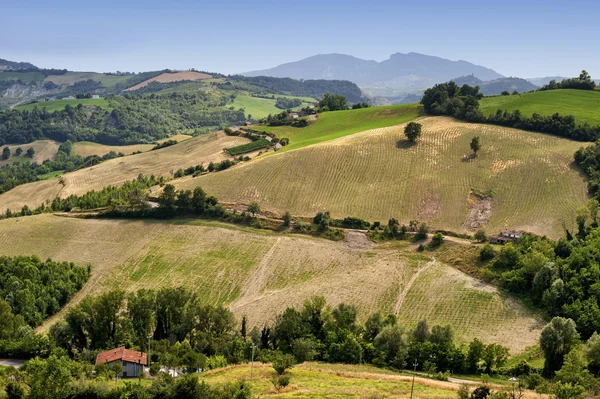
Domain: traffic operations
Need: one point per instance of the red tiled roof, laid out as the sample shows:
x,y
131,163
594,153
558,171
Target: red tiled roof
x,y
123,354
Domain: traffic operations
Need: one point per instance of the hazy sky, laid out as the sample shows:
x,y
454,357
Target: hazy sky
x,y
523,38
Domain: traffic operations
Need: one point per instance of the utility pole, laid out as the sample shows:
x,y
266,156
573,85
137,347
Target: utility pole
x,y
252,363
412,388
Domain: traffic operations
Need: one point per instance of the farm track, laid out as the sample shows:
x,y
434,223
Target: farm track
x,y
259,274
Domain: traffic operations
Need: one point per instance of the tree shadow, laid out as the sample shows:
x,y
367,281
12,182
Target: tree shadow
x,y
469,158
405,144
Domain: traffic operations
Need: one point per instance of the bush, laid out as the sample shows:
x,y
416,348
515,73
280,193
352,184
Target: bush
x,y
287,219
437,240
154,369
283,363
412,131
487,252
481,392
304,350
281,381
480,235
421,232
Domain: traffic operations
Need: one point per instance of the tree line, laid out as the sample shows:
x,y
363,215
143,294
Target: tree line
x,y
17,173
562,277
129,119
463,103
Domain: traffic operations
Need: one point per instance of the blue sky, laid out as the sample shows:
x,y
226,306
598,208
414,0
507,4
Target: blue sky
x,y
516,38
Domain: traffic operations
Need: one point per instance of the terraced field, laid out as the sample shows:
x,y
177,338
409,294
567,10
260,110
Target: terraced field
x,y
259,273
163,162
44,149
87,148
377,174
584,105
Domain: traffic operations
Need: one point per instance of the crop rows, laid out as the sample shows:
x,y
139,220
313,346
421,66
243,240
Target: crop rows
x,y
376,175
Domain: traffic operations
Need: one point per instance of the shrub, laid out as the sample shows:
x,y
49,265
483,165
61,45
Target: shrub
x,y
437,240
480,235
154,369
283,363
287,219
412,131
421,232
303,349
281,381
486,253
481,392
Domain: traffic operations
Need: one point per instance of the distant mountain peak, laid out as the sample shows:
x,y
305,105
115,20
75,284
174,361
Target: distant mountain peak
x,y
360,71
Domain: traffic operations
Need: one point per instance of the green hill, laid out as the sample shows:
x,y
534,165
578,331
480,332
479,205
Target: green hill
x,y
332,125
55,105
584,105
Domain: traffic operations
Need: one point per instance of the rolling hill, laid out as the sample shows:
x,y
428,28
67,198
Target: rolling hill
x,y
258,273
331,125
377,175
163,162
497,86
584,105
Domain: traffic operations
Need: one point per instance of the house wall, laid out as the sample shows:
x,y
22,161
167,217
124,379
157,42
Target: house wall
x,y
132,369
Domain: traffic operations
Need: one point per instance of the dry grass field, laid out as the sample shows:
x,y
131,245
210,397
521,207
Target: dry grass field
x,y
171,77
259,273
319,380
87,148
44,149
377,174
161,162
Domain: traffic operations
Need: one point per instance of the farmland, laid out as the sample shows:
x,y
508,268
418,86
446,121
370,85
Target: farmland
x,y
27,77
44,149
258,273
163,162
332,125
171,77
377,174
319,380
87,148
56,105
244,148
261,107
583,105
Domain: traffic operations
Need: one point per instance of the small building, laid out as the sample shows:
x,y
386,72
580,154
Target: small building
x,y
95,96
506,236
133,362
277,146
269,138
292,116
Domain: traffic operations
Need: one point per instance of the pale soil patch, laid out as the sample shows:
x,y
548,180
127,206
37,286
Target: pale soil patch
x,y
479,212
430,207
163,162
357,240
171,77
498,165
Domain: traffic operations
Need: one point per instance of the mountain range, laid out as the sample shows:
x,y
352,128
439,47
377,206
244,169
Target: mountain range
x,y
400,75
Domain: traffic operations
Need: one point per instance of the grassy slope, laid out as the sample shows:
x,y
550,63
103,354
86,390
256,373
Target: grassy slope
x,y
163,162
258,273
55,105
261,107
331,125
583,104
24,76
375,175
